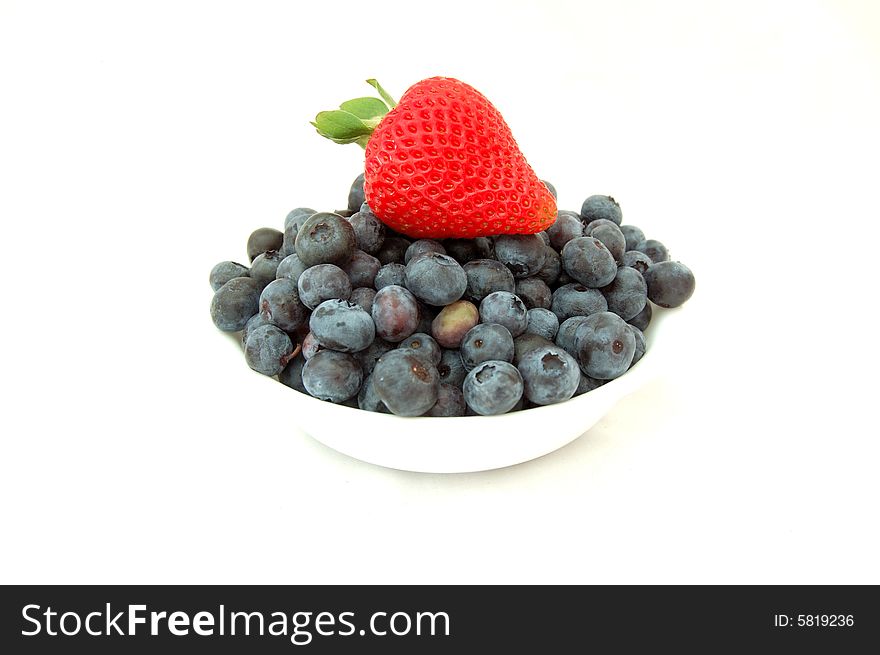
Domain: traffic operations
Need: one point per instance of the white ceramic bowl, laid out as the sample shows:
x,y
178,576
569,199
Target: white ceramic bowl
x,y
474,443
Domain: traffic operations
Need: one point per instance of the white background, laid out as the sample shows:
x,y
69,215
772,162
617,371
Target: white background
x,y
140,143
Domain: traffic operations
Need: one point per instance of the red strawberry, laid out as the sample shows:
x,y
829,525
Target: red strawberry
x,y
442,163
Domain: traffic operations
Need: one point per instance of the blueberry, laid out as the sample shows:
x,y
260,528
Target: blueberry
x,y
534,292
369,231
311,346
406,383
523,254
506,309
493,387
486,341
543,322
281,306
544,237
362,269
424,346
613,239
368,400
453,321
435,278
450,402
599,222
596,207
325,238
292,225
263,239
565,336
550,188
268,350
395,313
332,376
225,271
342,326
254,322
264,268
291,376
390,274
605,346
356,193
627,294
465,250
235,302
451,368
637,260
567,226
552,266
298,216
577,300
641,344
526,343
485,276
550,375
393,250
422,246
654,249
643,319
633,235
670,284
587,383
363,296
371,354
427,314
323,282
587,260
291,267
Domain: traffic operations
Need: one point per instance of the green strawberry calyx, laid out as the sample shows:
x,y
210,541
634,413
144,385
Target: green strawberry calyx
x,y
355,119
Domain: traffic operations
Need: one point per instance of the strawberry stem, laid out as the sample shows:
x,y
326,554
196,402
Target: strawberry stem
x,y
355,119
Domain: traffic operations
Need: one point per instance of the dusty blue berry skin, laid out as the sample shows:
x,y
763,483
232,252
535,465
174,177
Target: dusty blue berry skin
x,y
587,383
565,336
466,250
588,261
369,231
654,249
451,368
254,322
523,254
526,343
643,319
450,402
323,282
356,193
577,300
371,354
395,313
605,346
596,207
332,376
424,346
299,214
543,322
641,344
361,269
368,400
389,274
264,268
613,239
291,376
310,345
281,306
492,388
363,296
263,239
225,271
406,383
550,375
599,222
637,260
420,247
290,267
485,276
567,226
506,309
325,238
550,188
670,284
292,223
436,279
342,326
534,292
627,294
552,267
268,349
235,302
633,235
393,250
486,341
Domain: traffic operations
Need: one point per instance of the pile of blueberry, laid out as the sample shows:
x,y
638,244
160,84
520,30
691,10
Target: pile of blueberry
x,y
340,307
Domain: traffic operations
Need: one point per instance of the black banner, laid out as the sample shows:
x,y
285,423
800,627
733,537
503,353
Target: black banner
x,y
117,619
